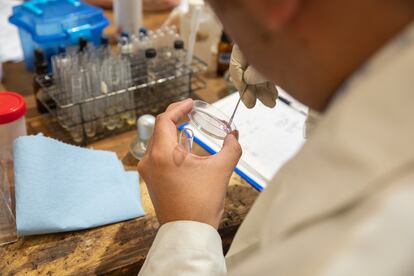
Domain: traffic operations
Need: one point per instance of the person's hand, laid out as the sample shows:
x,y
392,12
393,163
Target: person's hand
x,y
184,186
245,77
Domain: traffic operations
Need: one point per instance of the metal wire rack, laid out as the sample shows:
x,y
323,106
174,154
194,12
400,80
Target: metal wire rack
x,y
97,117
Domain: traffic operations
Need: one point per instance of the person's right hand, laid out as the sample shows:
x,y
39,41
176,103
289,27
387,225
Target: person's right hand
x,y
182,185
245,77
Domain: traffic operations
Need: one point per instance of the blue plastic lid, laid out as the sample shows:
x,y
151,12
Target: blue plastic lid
x,y
49,20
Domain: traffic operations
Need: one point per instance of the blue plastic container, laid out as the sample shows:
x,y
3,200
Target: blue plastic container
x,y
55,24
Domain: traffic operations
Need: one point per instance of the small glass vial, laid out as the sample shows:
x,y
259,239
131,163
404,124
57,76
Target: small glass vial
x,y
145,125
12,125
179,53
182,80
150,55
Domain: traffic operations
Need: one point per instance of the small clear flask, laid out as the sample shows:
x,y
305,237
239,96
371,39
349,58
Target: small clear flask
x,y
139,145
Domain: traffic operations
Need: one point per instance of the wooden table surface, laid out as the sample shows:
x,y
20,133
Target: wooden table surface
x,y
116,249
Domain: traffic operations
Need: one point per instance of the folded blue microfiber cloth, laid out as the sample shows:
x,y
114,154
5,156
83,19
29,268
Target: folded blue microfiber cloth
x,y
60,187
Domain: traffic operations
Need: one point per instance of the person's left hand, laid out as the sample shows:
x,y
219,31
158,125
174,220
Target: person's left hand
x,y
184,186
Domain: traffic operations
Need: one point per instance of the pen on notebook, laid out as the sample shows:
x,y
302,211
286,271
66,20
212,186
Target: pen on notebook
x,y
289,103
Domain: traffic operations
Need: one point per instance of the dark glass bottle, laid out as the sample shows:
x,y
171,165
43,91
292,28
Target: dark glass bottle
x,y
83,44
225,47
41,70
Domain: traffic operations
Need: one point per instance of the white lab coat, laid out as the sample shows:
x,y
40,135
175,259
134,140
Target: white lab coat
x,y
344,205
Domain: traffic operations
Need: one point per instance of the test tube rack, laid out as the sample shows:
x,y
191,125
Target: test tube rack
x,y
93,118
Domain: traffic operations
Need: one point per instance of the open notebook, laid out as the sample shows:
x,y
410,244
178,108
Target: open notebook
x,y
269,137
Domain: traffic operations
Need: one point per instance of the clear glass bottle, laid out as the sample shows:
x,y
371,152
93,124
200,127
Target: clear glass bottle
x,y
145,125
179,53
182,73
153,74
150,55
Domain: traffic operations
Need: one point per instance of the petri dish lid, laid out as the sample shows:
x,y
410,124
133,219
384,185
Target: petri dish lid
x,y
210,120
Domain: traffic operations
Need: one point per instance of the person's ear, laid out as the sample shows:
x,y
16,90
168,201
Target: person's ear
x,y
274,15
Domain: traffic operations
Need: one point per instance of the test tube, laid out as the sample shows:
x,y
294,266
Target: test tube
x,y
107,86
130,116
88,107
76,90
83,73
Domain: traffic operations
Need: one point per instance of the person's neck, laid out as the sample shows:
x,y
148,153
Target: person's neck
x,y
351,46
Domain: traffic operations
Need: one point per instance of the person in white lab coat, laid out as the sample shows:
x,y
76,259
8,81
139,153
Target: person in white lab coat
x,y
344,205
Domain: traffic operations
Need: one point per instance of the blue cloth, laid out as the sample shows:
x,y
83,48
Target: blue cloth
x,y
60,187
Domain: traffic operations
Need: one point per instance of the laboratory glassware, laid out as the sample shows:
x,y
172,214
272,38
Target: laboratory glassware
x,y
12,125
97,92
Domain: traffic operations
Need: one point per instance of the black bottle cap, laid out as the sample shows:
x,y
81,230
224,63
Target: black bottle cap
x,y
39,56
225,37
150,53
104,40
82,44
61,49
179,44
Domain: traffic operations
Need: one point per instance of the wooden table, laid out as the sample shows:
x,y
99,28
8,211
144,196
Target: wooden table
x,y
120,248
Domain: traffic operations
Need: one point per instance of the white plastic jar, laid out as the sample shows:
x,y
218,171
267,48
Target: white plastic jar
x,y
12,121
12,125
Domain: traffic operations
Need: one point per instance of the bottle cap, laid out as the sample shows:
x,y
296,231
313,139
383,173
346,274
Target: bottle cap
x,y
143,31
178,44
12,107
145,126
83,43
150,53
225,37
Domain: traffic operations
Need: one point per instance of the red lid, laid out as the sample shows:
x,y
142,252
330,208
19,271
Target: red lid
x,y
12,107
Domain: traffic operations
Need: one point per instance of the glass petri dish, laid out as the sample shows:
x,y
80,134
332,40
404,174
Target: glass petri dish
x,y
210,120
